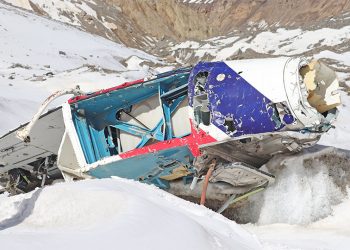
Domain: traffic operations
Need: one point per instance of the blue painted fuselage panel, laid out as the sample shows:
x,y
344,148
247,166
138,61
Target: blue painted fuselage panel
x,y
147,168
93,116
232,98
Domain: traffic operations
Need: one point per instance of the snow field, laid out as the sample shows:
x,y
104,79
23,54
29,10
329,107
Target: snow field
x,y
98,214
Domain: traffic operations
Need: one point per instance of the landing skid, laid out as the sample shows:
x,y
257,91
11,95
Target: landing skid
x,y
226,183
236,198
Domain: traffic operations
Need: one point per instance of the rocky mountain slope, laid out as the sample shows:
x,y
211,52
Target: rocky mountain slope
x,y
39,55
186,31
186,19
143,23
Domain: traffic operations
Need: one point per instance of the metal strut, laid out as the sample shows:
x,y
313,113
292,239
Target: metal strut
x,y
23,134
234,198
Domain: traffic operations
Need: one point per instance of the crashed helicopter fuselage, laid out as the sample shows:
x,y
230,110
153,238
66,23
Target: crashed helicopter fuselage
x,y
201,132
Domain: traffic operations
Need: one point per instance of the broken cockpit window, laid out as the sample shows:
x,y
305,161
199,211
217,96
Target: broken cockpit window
x,y
200,100
199,82
229,125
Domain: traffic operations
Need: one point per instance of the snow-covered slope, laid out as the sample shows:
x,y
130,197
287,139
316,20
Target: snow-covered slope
x,y
144,23
39,56
114,213
331,233
279,42
100,214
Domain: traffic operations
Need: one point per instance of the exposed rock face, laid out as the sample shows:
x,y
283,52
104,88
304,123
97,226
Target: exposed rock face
x,y
186,31
181,20
129,21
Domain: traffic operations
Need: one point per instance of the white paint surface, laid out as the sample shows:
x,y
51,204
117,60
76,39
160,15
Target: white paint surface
x,y
267,76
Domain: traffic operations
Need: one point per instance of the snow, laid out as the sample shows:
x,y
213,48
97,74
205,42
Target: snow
x,y
340,136
33,46
21,42
288,42
134,63
300,195
88,10
329,233
132,215
304,209
292,237
20,3
99,214
55,9
282,42
343,58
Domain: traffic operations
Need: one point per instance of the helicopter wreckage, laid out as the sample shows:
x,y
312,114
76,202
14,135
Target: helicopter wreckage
x,y
202,132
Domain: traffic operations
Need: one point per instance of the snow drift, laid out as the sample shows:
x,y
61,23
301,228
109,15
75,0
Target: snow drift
x,y
307,206
99,214
307,188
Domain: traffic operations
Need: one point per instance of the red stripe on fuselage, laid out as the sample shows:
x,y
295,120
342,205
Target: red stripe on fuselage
x,y
104,91
192,141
